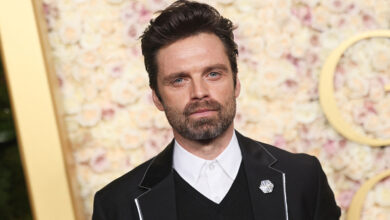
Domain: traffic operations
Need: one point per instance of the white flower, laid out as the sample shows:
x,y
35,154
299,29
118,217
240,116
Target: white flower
x,y
382,195
384,133
156,5
361,161
80,1
310,3
89,115
131,33
89,58
114,68
54,39
137,156
130,139
306,112
383,109
252,110
337,6
358,85
338,161
299,43
71,124
372,123
330,39
106,133
377,90
225,2
358,53
72,99
160,121
144,115
277,44
90,92
114,1
70,32
99,80
273,122
380,59
152,148
320,16
67,53
90,41
275,74
72,105
124,93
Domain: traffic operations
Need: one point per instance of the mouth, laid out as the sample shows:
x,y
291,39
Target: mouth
x,y
203,112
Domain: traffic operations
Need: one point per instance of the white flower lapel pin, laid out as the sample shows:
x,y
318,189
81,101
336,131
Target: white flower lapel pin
x,y
266,186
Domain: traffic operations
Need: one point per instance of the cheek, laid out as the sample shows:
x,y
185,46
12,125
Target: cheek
x,y
176,101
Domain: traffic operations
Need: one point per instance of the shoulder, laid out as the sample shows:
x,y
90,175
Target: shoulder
x,y
116,199
274,156
125,186
303,170
288,159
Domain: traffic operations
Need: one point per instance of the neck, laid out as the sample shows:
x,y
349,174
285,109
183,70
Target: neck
x,y
206,149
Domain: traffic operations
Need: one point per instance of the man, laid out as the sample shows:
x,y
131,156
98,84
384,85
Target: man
x,y
209,170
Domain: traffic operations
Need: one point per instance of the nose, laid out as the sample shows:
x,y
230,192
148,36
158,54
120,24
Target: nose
x,y
199,89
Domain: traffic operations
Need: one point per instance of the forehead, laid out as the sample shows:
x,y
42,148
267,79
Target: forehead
x,y
192,54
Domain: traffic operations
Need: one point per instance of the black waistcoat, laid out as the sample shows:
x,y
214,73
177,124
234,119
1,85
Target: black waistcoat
x,y
192,205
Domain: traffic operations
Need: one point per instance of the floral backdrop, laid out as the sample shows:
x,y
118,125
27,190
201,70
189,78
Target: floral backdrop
x,y
113,125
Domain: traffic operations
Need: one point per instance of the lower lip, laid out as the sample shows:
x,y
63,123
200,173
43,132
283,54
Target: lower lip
x,y
203,114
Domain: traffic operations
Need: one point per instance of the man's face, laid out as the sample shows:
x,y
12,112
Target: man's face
x,y
196,86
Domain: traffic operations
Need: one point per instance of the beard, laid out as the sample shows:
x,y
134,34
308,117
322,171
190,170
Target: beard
x,y
204,128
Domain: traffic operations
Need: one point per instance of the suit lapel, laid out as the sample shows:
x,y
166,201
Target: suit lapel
x,y
158,202
258,166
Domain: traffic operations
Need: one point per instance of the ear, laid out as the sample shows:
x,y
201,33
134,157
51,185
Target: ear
x,y
157,101
238,88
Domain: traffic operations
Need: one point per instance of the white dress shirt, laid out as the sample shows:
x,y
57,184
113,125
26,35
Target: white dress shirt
x,y
212,178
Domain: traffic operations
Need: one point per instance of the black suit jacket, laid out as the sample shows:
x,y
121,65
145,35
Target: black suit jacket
x,y
301,190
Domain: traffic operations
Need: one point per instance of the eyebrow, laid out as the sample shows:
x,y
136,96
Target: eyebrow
x,y
222,67
172,76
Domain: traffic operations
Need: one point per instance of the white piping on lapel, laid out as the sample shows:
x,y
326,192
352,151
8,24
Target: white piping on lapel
x,y
138,206
285,196
284,180
138,209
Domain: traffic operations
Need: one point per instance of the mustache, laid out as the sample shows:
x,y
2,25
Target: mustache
x,y
193,107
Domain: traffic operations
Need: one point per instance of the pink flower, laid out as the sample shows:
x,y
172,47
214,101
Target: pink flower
x,y
279,141
51,13
108,113
315,41
370,107
369,21
330,147
345,198
99,161
290,83
303,13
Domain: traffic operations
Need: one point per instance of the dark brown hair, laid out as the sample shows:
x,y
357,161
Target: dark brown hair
x,y
180,20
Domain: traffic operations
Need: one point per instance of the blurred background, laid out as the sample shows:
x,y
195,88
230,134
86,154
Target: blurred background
x,y
109,123
14,203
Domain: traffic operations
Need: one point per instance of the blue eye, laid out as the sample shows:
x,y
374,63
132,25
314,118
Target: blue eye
x,y
214,74
178,80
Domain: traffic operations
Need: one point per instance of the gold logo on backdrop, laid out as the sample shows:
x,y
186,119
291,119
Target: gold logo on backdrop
x,y
326,92
333,114
358,200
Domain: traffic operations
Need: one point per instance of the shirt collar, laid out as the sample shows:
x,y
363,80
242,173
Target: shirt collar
x,y
189,166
